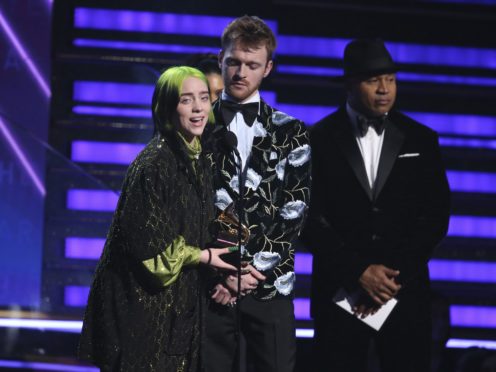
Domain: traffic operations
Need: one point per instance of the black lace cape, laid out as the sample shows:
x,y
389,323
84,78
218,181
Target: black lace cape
x,y
131,323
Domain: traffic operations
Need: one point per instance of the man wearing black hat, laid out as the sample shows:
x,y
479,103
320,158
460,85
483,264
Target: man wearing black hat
x,y
380,205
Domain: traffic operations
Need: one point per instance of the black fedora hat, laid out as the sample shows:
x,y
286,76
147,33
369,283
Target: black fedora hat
x,y
367,57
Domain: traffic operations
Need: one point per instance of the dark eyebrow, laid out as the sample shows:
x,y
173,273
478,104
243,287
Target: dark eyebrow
x,y
190,94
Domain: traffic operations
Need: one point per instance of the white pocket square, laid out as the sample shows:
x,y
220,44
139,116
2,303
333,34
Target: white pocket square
x,y
410,155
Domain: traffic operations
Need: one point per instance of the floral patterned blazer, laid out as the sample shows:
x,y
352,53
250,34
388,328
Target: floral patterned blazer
x,y
276,193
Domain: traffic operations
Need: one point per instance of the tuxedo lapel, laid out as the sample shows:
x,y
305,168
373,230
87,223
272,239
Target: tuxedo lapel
x,y
225,159
393,140
346,140
260,150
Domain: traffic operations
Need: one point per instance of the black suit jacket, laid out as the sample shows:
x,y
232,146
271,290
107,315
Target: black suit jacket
x,y
398,223
276,193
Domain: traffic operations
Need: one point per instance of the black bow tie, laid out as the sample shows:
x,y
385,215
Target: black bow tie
x,y
378,123
248,110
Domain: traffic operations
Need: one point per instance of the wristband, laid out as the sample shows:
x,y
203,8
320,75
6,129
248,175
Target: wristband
x,y
209,256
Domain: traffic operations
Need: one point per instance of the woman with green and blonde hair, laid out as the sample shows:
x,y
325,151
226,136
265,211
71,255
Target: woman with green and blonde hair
x,y
145,306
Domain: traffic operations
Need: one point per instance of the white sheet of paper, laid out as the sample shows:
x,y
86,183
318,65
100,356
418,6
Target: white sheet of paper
x,y
346,301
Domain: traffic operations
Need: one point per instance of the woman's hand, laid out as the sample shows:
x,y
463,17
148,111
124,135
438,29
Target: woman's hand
x,y
211,257
222,295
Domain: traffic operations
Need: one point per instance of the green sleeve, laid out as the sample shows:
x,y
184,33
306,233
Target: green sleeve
x,y
166,266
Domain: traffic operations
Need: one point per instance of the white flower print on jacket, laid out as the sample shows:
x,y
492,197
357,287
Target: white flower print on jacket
x,y
299,156
284,284
259,130
266,260
280,168
252,181
280,118
293,209
296,158
222,199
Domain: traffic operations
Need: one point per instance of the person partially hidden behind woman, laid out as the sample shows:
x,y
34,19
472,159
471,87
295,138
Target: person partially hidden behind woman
x,y
144,310
208,63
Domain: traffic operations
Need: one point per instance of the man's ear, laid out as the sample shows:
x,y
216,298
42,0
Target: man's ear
x,y
268,68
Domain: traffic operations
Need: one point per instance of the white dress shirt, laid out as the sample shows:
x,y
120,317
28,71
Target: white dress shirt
x,y
370,145
243,132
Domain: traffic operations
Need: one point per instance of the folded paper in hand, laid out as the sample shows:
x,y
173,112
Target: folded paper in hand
x,y
347,301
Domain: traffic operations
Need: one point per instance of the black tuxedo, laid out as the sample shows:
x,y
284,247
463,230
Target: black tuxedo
x,y
276,194
397,223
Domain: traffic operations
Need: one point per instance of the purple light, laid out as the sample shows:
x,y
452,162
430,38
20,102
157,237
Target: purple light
x,y
462,271
304,333
443,270
457,343
105,152
309,70
143,46
446,79
38,366
309,114
141,21
84,248
113,92
472,227
69,326
442,123
112,111
49,4
22,158
402,76
442,55
447,124
123,93
472,181
92,200
471,125
473,316
467,142
24,55
269,97
303,263
302,308
110,92
401,52
293,45
76,296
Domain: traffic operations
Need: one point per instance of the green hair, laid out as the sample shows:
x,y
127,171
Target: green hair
x,y
167,93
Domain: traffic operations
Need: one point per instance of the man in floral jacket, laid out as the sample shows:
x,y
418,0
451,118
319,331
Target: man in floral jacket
x,y
275,156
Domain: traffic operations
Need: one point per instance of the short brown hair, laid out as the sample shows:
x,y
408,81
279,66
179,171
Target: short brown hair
x,y
250,31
